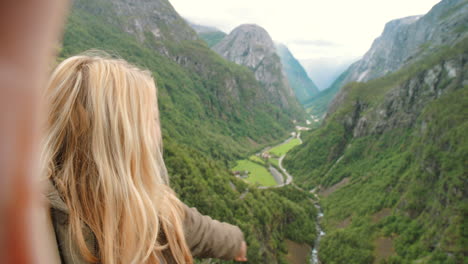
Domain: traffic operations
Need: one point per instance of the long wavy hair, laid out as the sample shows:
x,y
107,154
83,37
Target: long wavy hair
x,y
103,151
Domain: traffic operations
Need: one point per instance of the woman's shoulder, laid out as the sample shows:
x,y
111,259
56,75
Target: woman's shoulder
x,y
55,200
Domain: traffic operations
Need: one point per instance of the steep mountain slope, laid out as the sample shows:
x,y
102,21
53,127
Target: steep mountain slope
x,y
210,35
407,39
201,94
390,163
251,45
303,86
212,112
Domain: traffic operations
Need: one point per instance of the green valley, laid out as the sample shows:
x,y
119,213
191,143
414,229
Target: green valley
x,y
381,169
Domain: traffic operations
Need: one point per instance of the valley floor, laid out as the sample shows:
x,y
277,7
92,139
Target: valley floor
x,y
265,170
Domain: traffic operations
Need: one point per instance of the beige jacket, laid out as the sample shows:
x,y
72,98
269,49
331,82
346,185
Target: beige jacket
x,y
206,238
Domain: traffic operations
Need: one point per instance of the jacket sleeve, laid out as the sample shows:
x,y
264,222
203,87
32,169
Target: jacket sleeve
x,y
208,238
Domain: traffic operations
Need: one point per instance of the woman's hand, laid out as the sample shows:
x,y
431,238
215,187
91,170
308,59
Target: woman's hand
x,y
242,254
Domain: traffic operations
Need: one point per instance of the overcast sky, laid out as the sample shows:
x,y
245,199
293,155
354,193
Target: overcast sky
x,y
310,28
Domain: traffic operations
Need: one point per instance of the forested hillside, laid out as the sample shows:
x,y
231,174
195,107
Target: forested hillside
x,y
389,162
212,112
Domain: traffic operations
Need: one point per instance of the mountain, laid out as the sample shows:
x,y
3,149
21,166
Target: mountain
x,y
303,86
389,160
251,45
407,39
212,113
210,35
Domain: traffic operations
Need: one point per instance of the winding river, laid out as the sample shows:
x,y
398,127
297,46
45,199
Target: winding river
x,y
314,259
320,233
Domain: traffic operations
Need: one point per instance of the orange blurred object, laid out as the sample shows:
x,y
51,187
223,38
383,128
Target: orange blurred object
x,y
29,33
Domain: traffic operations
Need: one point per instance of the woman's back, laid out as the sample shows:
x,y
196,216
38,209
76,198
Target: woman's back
x,y
103,156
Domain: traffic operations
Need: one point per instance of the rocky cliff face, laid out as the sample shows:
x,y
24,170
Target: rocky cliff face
x,y
403,104
303,86
252,46
406,40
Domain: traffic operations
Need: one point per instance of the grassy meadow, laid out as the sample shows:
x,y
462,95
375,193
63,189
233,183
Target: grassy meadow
x,y
284,148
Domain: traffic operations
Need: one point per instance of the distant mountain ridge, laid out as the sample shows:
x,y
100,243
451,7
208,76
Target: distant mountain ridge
x,y
210,35
304,88
201,28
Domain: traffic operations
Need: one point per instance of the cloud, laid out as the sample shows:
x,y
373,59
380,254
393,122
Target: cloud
x,y
310,28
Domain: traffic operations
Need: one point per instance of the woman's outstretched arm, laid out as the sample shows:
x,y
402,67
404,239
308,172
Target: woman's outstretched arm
x,y
208,238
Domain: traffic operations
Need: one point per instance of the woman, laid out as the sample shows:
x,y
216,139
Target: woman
x,y
109,194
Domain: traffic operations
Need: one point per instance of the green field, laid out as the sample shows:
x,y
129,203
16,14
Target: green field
x,y
284,148
260,174
257,173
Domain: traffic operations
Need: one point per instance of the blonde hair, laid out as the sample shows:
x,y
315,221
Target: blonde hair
x,y
103,151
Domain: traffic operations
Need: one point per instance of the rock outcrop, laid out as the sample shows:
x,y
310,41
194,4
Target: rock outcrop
x,y
408,39
403,104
